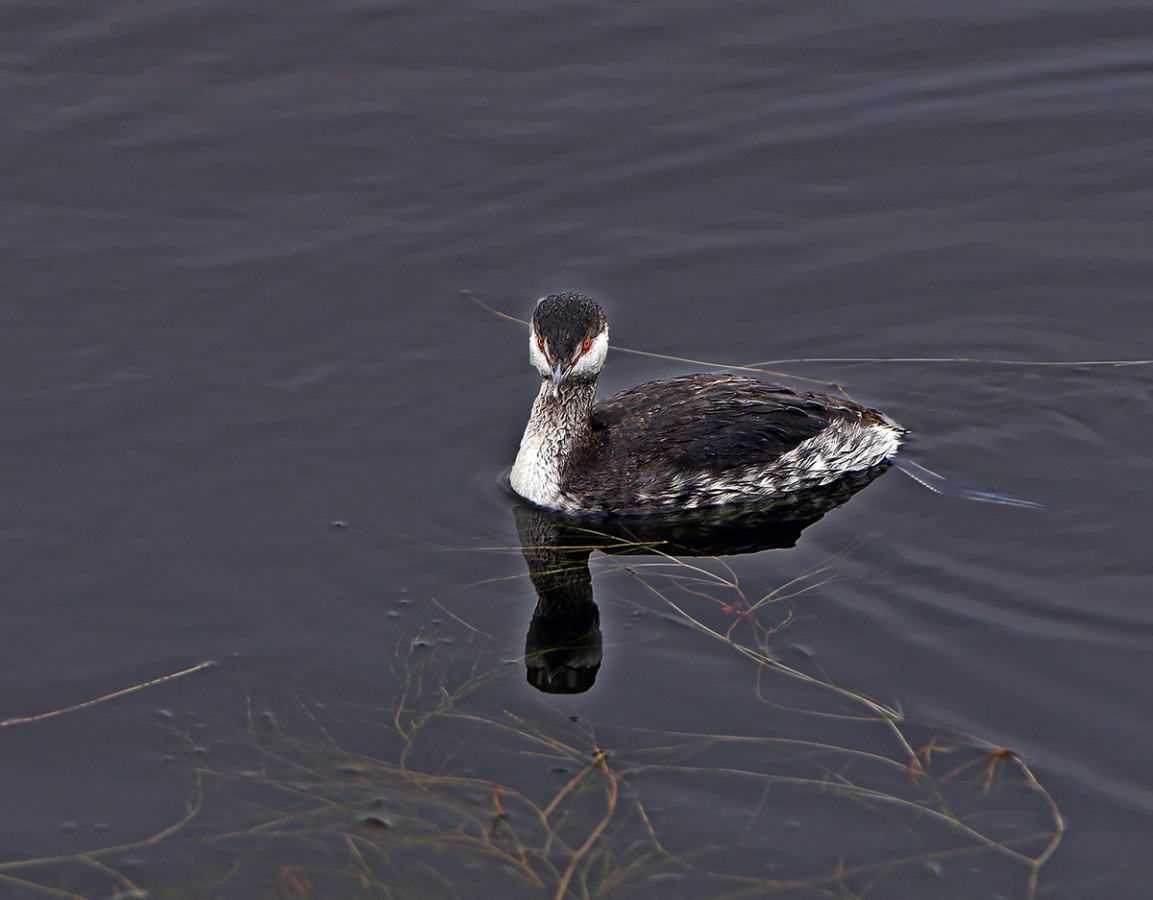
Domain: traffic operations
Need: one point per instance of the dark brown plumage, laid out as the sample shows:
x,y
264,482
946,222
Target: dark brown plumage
x,y
677,443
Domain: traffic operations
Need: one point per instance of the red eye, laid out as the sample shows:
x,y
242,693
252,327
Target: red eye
x,y
540,342
587,345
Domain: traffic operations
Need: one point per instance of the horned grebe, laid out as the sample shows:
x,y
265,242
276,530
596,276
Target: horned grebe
x,y
678,443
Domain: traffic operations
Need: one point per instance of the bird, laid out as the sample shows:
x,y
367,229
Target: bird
x,y
681,443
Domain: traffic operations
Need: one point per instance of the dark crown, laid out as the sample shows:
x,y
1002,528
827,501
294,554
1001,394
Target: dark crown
x,y
566,320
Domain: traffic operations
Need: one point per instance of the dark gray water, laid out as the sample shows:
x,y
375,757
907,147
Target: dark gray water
x,y
235,238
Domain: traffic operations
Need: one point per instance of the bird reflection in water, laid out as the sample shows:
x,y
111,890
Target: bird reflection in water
x,y
564,647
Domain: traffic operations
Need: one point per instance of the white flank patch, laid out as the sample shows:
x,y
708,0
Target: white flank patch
x,y
841,448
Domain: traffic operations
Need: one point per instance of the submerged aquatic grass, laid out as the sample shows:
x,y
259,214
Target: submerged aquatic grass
x,y
437,790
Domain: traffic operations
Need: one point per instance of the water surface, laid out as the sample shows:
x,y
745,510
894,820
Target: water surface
x,y
251,420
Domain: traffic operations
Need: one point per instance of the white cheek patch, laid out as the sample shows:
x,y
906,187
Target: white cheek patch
x,y
593,360
537,357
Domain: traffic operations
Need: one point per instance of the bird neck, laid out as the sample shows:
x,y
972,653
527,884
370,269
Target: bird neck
x,y
559,423
564,413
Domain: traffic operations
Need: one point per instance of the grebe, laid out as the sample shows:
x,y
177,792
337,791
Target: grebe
x,y
678,443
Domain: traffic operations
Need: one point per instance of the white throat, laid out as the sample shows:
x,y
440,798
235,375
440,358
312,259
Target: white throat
x,y
556,423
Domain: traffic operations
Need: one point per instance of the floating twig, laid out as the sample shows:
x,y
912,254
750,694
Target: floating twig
x,y
22,720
